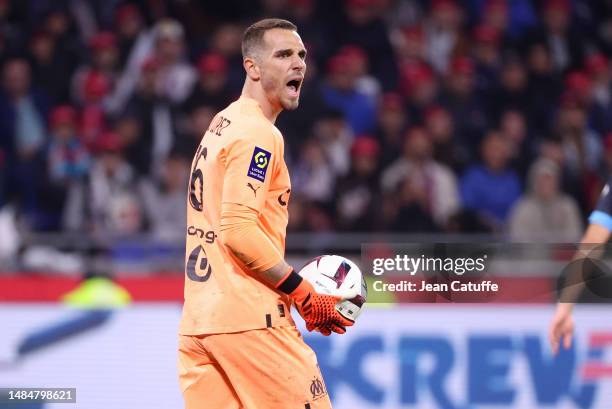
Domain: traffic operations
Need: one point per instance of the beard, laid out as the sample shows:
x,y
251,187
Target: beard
x,y
289,104
276,93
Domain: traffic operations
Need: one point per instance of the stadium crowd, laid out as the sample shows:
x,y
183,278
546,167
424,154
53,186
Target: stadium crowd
x,y
415,116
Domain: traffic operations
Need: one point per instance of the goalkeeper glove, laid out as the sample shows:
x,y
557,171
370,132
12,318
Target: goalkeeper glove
x,y
318,310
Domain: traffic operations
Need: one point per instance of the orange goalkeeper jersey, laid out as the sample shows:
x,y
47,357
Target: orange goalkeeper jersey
x,y
238,162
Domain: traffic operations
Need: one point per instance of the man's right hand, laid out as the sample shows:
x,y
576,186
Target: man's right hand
x,y
561,328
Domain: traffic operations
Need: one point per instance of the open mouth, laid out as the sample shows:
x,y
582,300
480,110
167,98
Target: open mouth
x,y
293,86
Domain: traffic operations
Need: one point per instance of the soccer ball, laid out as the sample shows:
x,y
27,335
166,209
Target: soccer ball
x,y
336,275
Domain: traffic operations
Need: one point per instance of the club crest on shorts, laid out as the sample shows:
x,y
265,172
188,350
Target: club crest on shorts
x,y
317,388
259,164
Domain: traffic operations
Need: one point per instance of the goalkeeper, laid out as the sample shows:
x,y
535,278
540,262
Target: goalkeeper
x,y
238,345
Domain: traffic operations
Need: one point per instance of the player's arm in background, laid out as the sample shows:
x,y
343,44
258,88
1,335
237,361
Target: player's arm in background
x,y
597,234
256,164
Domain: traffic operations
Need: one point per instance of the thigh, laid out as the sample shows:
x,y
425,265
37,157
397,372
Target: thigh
x,y
271,368
202,381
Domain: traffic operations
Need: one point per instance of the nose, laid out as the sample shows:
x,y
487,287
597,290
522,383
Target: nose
x,y
298,64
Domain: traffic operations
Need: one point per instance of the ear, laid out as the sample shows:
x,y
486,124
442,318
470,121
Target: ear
x,y
252,68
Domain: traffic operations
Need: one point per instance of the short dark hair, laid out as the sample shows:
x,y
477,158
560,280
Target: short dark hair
x,y
253,36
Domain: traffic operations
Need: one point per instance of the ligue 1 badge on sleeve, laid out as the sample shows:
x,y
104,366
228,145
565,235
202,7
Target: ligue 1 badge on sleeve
x,y
259,164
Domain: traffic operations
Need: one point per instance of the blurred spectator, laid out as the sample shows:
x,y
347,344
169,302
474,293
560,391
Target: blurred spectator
x,y
68,162
103,66
49,71
443,28
420,86
314,34
495,15
212,86
512,18
491,188
391,124
544,87
335,137
165,200
513,128
487,57
430,183
12,17
95,89
128,128
67,158
448,148
357,194
165,44
578,85
357,61
340,92
226,41
22,133
459,98
598,70
310,216
157,123
130,30
411,46
93,123
552,148
313,177
581,145
23,111
565,42
136,44
176,77
512,92
198,121
106,202
362,25
406,208
544,212
58,23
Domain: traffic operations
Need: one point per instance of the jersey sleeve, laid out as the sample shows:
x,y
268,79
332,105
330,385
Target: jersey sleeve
x,y
249,166
602,215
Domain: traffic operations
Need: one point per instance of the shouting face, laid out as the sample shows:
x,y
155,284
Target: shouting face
x,y
282,65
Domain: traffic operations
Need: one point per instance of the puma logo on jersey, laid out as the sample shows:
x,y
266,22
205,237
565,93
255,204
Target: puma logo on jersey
x,y
282,200
253,188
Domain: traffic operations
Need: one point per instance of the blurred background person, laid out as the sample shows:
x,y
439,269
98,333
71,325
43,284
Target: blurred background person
x,y
23,113
544,213
358,194
68,163
212,85
161,198
491,188
391,122
106,202
417,174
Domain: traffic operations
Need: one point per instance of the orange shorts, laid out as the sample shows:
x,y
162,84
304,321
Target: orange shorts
x,y
270,368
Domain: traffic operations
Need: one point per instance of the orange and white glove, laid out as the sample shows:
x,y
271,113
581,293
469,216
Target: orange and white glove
x,y
318,310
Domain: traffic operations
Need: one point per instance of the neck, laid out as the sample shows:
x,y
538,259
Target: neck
x,y
254,91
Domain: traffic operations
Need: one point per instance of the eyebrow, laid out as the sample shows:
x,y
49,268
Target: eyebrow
x,y
289,51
